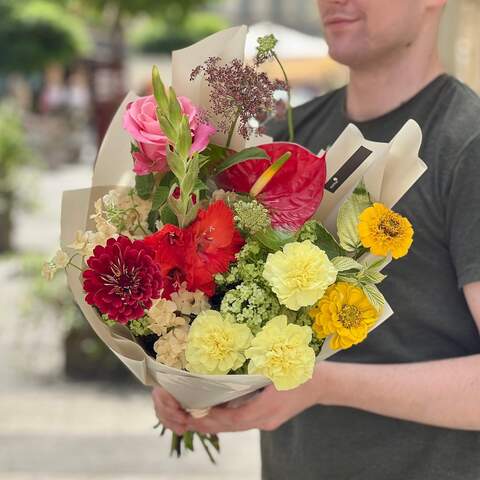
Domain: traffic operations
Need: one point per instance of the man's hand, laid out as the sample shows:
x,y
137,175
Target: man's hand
x,y
267,411
169,412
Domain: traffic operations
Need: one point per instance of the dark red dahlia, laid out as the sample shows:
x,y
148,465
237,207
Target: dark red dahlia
x,y
123,278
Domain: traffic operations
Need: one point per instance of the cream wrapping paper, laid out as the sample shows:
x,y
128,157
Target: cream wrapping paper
x,y
389,171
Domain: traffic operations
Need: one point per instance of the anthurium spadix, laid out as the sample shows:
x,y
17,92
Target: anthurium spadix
x,y
289,183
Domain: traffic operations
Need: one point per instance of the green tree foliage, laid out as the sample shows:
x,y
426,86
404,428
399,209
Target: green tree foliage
x,y
37,33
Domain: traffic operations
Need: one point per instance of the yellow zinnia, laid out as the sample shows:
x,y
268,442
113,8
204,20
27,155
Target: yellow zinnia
x,y
344,312
300,274
385,232
281,352
215,345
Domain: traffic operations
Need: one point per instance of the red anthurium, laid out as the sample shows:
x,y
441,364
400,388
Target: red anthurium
x,y
294,193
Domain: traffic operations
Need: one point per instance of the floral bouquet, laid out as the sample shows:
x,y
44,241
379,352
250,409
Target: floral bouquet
x,y
222,261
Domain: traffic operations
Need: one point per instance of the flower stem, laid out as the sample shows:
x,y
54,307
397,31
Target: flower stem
x,y
291,132
232,129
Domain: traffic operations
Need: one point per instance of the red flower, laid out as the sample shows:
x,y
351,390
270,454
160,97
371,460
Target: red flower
x,y
122,280
196,254
169,246
294,193
212,244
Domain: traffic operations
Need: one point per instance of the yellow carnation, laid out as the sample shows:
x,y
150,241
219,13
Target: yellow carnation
x,y
281,352
216,345
300,274
385,232
345,313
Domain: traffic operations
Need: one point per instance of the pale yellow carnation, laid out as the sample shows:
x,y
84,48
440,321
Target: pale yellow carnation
x,y
281,352
189,303
170,348
163,317
216,345
300,274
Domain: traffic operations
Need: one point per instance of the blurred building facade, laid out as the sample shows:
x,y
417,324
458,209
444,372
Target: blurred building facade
x,y
301,15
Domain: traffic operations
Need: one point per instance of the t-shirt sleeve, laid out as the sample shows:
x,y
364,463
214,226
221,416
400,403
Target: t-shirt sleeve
x,y
463,215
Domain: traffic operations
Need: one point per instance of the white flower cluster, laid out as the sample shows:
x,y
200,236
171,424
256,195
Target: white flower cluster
x,y
123,212
170,324
59,261
190,303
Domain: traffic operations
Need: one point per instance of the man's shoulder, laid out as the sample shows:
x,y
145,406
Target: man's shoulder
x,y
459,111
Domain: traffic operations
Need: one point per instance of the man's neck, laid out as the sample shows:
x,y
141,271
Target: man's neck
x,y
376,90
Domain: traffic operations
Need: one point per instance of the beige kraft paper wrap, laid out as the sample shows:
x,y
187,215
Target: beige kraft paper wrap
x,y
389,172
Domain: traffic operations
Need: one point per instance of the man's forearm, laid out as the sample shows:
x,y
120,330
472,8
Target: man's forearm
x,y
443,393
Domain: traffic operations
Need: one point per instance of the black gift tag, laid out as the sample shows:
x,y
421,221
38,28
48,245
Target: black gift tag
x,y
339,178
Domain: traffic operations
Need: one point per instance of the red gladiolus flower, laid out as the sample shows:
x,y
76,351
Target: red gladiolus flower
x,y
197,253
294,193
213,242
122,280
169,246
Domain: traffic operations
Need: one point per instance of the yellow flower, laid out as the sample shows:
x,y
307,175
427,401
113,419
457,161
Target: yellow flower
x,y
385,232
216,345
300,274
344,312
281,352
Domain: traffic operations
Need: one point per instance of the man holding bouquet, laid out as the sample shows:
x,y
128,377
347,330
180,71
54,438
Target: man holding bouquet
x,y
405,404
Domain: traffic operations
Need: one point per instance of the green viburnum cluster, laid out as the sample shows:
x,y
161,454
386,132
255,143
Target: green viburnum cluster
x,y
140,327
308,232
251,217
251,304
248,267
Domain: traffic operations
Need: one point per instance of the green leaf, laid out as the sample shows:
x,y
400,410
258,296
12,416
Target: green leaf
x,y
214,155
174,109
347,277
167,216
347,221
374,296
188,183
168,180
152,218
343,264
160,196
176,164
200,186
326,242
184,141
134,148
274,239
242,156
159,91
144,185
166,125
371,276
188,440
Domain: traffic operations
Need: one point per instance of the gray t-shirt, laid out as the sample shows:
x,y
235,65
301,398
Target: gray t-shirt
x,y
431,320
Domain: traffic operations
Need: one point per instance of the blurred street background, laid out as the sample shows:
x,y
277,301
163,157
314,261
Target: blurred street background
x,y
68,409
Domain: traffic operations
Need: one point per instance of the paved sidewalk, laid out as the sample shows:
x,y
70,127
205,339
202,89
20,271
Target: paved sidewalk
x,y
53,430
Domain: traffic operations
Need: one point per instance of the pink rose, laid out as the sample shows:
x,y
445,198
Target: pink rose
x,y
140,120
